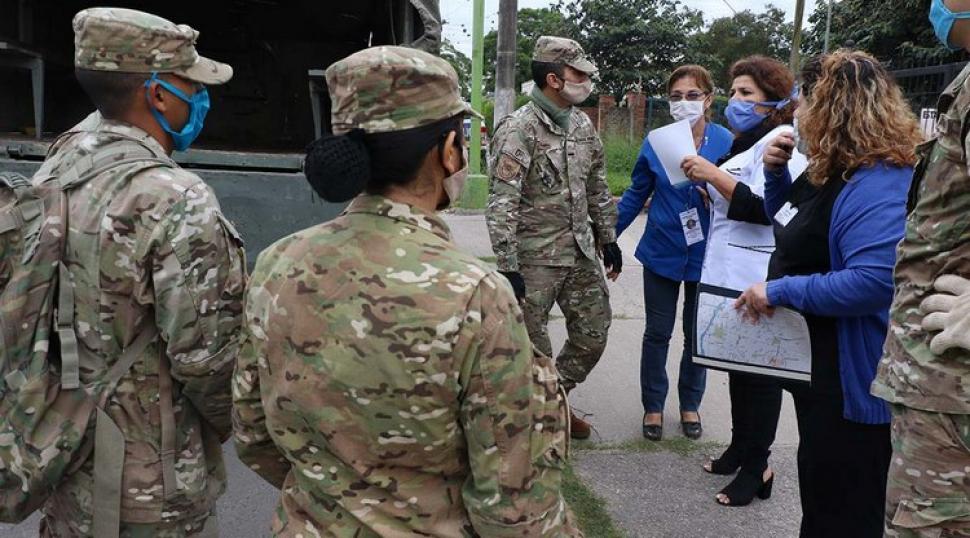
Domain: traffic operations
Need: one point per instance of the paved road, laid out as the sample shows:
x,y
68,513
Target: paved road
x,y
654,494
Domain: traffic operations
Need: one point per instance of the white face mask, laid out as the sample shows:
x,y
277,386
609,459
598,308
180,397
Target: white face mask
x,y
455,183
576,92
800,143
687,110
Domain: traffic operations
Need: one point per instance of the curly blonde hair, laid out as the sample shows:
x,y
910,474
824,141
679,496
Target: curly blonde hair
x,y
853,115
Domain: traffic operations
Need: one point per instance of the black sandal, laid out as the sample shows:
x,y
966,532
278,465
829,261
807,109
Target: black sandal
x,y
727,464
742,490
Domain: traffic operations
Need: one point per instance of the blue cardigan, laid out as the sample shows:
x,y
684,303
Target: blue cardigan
x,y
868,221
663,248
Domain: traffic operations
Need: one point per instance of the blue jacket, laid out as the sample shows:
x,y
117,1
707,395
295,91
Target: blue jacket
x,y
868,221
663,248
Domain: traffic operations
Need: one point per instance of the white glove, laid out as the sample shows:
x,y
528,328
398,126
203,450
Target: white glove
x,y
948,312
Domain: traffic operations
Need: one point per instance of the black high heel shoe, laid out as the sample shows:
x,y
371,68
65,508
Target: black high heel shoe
x,y
692,428
727,464
653,432
744,487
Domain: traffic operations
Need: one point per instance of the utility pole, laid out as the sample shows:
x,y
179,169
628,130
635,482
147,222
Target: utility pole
x,y
508,14
828,28
796,42
478,33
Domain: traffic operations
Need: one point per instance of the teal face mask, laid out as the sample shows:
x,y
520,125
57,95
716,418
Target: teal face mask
x,y
942,19
198,108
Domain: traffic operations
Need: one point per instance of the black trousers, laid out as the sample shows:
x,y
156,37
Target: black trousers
x,y
755,407
842,465
842,468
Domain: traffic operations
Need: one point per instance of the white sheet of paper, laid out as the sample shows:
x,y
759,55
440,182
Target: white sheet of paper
x,y
672,143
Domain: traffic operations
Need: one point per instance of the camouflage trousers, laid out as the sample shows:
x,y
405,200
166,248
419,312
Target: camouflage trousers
x,y
928,492
582,295
202,526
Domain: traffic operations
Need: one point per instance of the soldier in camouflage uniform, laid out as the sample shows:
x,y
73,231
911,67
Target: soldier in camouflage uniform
x,y
925,373
386,380
550,211
150,252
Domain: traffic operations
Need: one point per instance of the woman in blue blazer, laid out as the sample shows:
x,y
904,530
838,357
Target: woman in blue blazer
x,y
672,251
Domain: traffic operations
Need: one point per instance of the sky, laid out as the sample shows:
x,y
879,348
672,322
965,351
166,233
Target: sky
x,y
457,14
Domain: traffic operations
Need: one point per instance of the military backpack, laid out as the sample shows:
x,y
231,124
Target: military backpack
x,y
47,414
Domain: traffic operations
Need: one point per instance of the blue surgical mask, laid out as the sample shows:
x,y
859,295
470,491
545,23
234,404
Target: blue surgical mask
x,y
743,116
942,19
198,108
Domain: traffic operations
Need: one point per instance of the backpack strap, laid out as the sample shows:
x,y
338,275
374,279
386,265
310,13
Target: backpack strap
x,y
27,206
91,166
109,444
109,441
166,411
20,214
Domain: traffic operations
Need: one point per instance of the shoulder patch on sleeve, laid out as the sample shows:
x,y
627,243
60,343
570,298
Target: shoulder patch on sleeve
x,y
508,167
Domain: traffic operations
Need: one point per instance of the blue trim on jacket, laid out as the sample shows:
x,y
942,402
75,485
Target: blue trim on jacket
x,y
868,221
663,248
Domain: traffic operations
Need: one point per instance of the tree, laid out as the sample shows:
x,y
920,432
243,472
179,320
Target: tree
x,y
729,39
532,23
897,32
462,65
633,42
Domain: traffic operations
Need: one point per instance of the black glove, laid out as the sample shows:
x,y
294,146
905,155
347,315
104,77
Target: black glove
x,y
612,258
518,284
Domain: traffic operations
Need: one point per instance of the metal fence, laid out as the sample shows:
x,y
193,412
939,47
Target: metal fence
x,y
658,113
922,85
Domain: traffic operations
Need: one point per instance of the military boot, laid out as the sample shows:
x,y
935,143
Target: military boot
x,y
579,428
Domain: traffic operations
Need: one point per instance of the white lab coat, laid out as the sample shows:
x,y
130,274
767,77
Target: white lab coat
x,y
737,252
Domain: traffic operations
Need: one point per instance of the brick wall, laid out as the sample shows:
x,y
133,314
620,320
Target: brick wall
x,y
627,119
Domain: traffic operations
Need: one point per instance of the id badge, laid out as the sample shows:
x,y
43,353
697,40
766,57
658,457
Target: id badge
x,y
690,221
785,214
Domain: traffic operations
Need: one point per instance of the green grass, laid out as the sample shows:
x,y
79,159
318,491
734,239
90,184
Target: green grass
x,y
488,259
618,182
621,156
589,508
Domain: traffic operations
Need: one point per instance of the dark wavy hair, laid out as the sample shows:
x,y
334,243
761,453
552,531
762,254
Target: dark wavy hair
x,y
775,79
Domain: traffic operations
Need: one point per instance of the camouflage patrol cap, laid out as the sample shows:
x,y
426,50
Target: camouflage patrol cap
x,y
560,50
384,89
129,41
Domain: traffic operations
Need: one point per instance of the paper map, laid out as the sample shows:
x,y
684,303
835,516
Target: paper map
x,y
778,346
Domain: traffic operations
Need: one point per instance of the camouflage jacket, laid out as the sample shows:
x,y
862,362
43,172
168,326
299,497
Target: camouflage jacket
x,y
152,250
387,384
545,185
937,242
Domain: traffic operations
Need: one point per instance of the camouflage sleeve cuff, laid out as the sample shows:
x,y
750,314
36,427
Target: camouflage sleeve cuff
x,y
606,235
508,263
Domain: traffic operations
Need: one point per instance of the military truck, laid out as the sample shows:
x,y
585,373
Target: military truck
x,y
251,150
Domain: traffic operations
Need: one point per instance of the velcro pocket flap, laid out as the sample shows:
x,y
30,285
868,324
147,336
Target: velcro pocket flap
x,y
929,512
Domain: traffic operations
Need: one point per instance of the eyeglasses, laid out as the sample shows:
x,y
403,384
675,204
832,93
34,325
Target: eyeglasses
x,y
691,96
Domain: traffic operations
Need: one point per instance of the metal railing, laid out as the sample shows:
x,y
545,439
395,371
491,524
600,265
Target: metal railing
x,y
922,85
